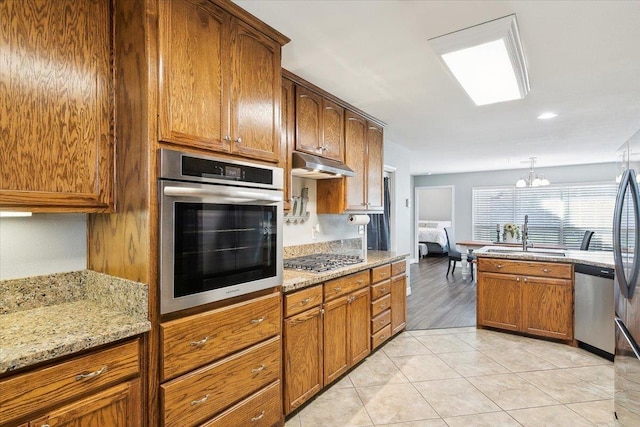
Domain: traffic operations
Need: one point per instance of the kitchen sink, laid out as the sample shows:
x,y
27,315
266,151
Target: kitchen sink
x,y
544,252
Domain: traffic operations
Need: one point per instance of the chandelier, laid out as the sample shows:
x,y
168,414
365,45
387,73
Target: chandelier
x,y
532,179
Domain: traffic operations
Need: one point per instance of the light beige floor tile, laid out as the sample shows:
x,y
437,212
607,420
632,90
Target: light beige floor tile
x,y
344,382
494,419
378,369
293,421
438,422
395,403
472,364
488,340
444,343
461,330
564,387
336,407
563,356
601,376
455,397
601,413
519,360
424,368
509,391
549,416
405,345
428,332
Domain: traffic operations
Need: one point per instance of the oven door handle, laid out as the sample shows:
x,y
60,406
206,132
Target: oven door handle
x,y
234,195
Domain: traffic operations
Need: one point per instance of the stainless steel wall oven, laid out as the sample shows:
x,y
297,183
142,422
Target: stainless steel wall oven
x,y
220,229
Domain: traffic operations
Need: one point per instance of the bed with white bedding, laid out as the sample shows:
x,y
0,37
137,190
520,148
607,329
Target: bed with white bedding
x,y
432,234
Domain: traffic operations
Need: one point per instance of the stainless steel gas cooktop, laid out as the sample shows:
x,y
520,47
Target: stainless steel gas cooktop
x,y
318,263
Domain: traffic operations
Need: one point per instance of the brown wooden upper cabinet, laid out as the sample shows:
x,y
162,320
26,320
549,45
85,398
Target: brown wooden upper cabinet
x,y
219,81
363,154
56,106
319,125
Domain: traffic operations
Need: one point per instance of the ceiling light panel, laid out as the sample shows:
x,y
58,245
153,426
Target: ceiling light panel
x,y
487,60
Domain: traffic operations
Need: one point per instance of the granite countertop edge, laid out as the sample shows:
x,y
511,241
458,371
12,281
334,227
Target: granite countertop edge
x,y
596,259
40,333
295,280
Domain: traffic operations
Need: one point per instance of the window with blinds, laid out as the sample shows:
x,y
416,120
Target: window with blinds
x,y
558,214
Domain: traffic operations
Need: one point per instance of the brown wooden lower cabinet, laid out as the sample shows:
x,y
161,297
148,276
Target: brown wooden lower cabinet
x,y
336,338
95,389
398,302
537,302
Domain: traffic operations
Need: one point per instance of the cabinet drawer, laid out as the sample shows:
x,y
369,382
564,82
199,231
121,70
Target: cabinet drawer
x,y
297,302
380,305
380,273
201,394
381,336
380,289
380,321
34,391
526,268
345,285
263,409
194,341
398,267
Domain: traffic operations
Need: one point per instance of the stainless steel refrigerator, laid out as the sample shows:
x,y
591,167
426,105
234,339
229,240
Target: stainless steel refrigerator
x,y
626,247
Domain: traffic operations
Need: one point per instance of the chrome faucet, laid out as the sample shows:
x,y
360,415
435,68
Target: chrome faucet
x,y
525,233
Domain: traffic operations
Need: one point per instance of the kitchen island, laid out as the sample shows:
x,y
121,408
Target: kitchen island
x,y
531,292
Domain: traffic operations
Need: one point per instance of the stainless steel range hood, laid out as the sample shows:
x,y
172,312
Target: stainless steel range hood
x,y
314,167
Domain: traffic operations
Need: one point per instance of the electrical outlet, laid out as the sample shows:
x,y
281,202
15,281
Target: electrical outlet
x,y
314,231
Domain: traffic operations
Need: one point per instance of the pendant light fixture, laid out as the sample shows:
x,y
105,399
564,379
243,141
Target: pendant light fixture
x,y
532,179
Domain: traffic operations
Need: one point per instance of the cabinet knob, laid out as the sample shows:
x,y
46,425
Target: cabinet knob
x,y
498,265
546,270
337,289
238,140
227,138
517,279
525,279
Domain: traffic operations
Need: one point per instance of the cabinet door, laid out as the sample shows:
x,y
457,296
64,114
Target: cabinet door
x,y
286,138
193,74
308,121
255,93
374,168
499,301
336,339
359,326
302,358
398,303
332,130
118,406
547,307
56,105
355,156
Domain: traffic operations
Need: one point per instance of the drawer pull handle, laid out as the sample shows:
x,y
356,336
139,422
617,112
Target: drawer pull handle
x,y
199,343
381,274
383,289
260,320
498,265
102,370
360,282
258,417
258,369
305,301
199,401
337,289
546,270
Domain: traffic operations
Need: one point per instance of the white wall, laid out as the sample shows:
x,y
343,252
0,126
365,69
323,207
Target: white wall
x,y
435,204
401,214
464,183
42,244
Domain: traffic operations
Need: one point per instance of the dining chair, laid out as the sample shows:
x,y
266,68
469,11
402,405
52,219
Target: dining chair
x,y
586,240
454,254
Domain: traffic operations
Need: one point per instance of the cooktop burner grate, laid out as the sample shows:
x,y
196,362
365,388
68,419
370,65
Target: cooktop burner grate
x,y
318,263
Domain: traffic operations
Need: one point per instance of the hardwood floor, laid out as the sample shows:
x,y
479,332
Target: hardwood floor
x,y
439,301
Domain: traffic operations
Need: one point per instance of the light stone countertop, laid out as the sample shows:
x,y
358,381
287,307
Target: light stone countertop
x,y
47,317
595,258
295,280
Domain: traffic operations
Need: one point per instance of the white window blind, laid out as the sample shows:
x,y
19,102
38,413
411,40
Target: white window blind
x,y
558,214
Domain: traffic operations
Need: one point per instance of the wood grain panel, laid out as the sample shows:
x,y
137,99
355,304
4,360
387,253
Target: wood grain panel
x,y
332,130
203,393
336,339
380,305
359,326
193,341
308,121
56,105
380,321
381,336
499,301
382,272
374,169
345,285
380,289
398,303
263,409
398,267
42,388
527,268
193,107
331,196
287,127
255,93
303,349
355,158
547,307
302,300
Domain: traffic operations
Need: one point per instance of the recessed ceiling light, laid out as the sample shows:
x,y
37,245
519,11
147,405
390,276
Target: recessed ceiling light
x,y
487,60
547,116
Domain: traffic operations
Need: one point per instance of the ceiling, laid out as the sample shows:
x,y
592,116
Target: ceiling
x,y
583,59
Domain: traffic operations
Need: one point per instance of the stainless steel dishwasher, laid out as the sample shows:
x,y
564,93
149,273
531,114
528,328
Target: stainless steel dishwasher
x,y
594,309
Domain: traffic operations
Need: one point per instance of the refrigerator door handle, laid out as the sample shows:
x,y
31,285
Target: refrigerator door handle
x,y
627,287
627,335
